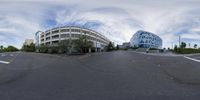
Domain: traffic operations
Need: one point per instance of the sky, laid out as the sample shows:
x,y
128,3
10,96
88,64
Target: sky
x,y
116,19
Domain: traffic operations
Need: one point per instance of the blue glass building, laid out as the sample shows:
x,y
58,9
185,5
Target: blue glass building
x,y
143,39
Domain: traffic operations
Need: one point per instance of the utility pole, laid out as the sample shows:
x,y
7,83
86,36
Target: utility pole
x,y
179,41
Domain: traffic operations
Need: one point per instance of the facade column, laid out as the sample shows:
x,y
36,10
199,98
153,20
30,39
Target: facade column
x,y
50,37
59,32
89,50
96,43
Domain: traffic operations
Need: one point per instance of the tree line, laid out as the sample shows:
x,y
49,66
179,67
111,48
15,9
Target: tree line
x,y
8,49
183,50
80,45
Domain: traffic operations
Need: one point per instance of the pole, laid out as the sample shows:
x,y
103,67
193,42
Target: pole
x,y
179,41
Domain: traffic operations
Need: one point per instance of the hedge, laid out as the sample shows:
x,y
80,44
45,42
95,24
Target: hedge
x,y
186,50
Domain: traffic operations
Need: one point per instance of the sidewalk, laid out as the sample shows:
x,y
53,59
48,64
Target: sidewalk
x,y
167,54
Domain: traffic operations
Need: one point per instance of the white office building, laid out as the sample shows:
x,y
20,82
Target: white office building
x,y
53,36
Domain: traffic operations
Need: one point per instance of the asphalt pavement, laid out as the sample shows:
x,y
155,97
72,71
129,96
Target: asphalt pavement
x,y
119,75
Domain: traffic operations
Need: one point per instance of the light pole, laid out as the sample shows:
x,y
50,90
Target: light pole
x,y
179,41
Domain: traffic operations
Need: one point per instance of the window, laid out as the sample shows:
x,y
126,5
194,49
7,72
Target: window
x,y
42,39
75,35
47,33
75,30
56,31
64,30
64,35
48,38
55,37
47,43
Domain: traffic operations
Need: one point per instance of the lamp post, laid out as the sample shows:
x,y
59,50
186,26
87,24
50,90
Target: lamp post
x,y
179,41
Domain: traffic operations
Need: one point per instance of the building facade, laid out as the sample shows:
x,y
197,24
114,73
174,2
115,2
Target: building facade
x,y
143,39
53,36
124,45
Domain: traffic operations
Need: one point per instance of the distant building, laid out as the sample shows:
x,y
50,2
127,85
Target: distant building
x,y
53,36
37,37
143,39
125,45
28,41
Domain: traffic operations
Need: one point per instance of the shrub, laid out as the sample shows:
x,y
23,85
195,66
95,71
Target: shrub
x,y
186,50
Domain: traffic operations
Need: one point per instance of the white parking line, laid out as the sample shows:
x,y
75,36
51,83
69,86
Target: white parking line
x,y
4,62
192,59
2,55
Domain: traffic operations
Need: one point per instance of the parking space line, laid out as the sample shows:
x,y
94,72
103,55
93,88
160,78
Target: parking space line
x,y
4,62
192,59
14,57
11,60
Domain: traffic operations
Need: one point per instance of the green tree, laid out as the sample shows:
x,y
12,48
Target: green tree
x,y
1,47
43,49
64,45
10,49
82,44
175,48
110,47
195,46
117,47
29,48
183,45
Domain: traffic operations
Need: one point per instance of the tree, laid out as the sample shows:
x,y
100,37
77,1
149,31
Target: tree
x,y
1,47
110,47
183,44
81,44
175,48
195,46
29,48
64,45
117,47
10,49
43,49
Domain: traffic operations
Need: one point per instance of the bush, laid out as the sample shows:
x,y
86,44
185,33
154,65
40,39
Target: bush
x,y
110,47
153,49
186,50
43,49
29,48
9,49
134,48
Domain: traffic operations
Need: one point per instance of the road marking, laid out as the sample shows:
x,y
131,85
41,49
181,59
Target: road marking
x,y
4,62
14,57
11,60
192,59
2,55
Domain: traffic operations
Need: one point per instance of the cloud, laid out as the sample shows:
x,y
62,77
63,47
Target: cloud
x,y
117,20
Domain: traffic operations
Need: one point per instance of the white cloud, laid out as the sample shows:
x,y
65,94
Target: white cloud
x,y
119,19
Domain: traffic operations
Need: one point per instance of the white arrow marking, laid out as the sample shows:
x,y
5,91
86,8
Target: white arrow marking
x,y
192,59
4,62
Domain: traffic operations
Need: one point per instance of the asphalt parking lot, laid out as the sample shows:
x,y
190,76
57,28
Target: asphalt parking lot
x,y
195,57
120,75
6,58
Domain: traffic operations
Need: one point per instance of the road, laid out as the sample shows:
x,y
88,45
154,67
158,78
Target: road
x,y
119,75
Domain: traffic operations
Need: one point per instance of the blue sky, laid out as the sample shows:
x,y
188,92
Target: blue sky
x,y
116,19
